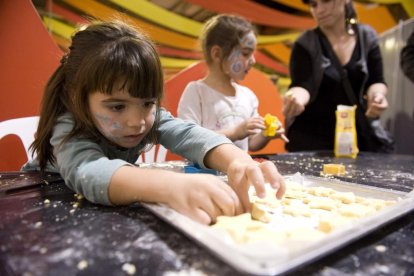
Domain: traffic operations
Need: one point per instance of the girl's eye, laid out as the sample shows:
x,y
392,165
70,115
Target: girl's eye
x,y
247,54
149,104
117,108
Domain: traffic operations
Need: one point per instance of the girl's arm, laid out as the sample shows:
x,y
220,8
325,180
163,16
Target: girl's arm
x,y
201,197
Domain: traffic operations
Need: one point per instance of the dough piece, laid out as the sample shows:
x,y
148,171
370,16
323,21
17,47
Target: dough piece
x,y
344,197
259,213
236,226
297,210
294,194
356,210
320,191
308,198
378,204
332,221
324,203
270,200
333,169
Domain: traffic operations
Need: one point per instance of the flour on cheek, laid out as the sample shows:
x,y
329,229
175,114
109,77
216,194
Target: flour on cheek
x,y
110,128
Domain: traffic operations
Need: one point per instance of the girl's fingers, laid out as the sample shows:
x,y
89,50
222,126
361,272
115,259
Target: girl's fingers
x,y
199,215
274,178
211,209
245,201
256,179
226,201
238,180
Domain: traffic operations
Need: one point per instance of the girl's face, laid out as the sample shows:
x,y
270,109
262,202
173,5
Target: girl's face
x,y
327,12
122,119
241,59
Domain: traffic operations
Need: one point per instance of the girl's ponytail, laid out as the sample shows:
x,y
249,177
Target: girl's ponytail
x,y
52,106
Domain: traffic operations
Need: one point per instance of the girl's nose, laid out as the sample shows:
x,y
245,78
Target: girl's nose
x,y
252,60
136,119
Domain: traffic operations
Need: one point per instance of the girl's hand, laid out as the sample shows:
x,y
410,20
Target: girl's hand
x,y
294,101
242,174
280,133
203,197
248,127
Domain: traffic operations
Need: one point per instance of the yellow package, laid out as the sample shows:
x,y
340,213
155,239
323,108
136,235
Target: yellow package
x,y
346,143
272,125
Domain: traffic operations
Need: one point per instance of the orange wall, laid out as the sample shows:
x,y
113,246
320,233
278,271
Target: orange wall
x,y
28,56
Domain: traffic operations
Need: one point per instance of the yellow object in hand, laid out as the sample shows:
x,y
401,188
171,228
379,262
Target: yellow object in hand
x,y
272,125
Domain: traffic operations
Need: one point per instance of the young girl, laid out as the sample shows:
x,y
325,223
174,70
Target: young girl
x,y
101,108
218,102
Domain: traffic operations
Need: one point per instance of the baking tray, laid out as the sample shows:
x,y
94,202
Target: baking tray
x,y
271,259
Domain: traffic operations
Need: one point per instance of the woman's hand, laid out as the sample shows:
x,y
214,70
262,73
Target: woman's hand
x,y
203,198
243,174
294,101
376,105
376,100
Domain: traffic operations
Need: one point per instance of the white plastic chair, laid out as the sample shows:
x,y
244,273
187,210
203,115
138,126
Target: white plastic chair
x,y
156,154
25,128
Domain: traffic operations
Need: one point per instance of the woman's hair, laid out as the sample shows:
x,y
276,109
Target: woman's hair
x,y
225,31
102,56
351,22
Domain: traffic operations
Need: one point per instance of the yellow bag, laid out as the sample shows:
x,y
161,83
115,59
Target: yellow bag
x,y
346,143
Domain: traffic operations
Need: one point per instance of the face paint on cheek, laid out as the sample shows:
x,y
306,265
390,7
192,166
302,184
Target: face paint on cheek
x,y
108,127
236,65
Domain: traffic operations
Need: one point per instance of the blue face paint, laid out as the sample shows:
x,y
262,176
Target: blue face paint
x,y
240,64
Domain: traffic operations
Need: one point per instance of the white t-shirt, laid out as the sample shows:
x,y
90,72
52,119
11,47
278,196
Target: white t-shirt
x,y
211,109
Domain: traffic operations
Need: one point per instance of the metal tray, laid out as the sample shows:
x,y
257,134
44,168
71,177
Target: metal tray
x,y
270,259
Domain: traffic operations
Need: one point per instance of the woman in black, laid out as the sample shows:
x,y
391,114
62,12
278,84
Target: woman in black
x,y
317,89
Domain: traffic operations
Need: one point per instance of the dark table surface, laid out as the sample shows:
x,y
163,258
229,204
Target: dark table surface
x,y
45,229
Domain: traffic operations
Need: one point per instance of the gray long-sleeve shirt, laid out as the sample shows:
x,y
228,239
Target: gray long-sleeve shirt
x,y
87,166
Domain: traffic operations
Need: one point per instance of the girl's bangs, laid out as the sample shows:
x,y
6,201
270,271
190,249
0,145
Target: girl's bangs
x,y
131,67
